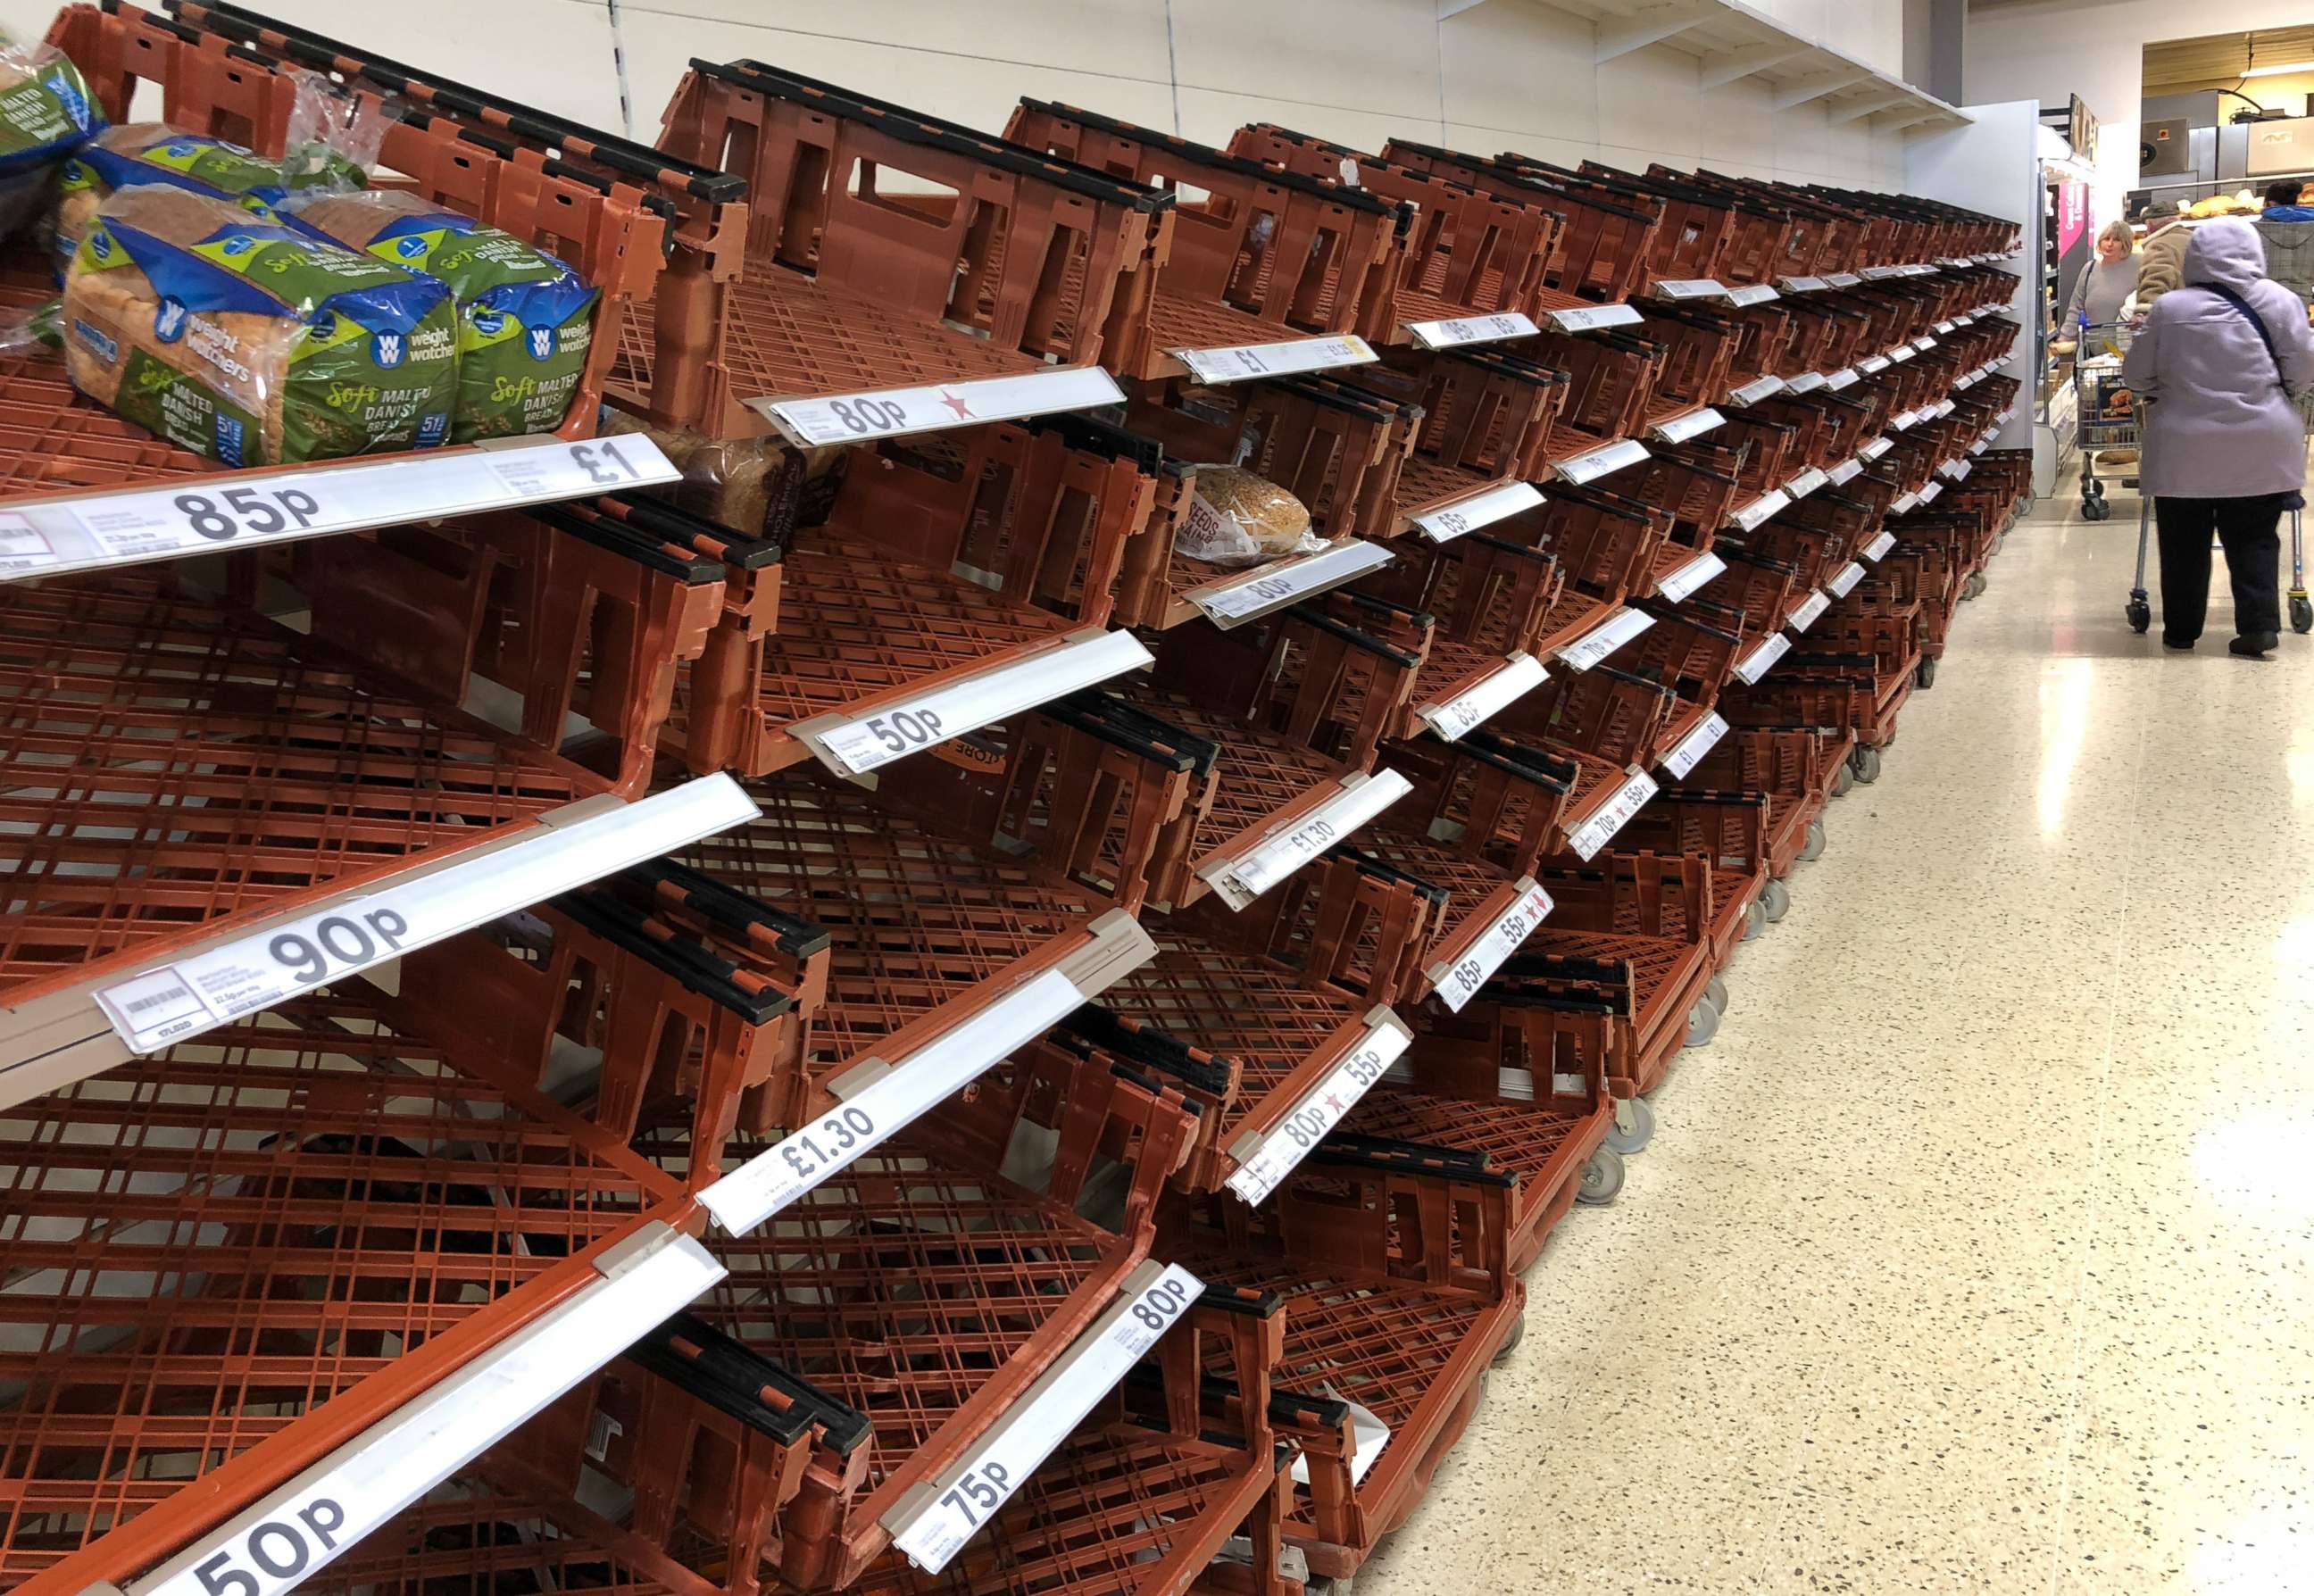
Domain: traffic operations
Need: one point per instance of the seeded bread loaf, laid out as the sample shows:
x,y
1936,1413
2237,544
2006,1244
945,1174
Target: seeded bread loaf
x,y
253,342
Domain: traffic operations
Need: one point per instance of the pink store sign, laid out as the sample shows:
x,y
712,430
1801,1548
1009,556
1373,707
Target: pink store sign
x,y
2072,215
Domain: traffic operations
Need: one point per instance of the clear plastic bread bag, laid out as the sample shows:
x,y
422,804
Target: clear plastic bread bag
x,y
1238,517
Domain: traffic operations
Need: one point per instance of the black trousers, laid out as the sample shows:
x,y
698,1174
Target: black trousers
x,y
2250,528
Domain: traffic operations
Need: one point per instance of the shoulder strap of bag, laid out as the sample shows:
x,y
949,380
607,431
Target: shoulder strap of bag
x,y
2257,325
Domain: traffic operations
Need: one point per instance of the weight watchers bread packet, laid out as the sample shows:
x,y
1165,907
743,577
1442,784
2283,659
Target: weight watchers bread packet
x,y
526,320
137,155
253,342
46,112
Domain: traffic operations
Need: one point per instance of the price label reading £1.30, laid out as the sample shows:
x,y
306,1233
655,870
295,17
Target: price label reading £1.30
x,y
1480,509
1458,982
209,986
934,1521
889,413
1597,831
1693,747
1242,877
1264,1159
1519,674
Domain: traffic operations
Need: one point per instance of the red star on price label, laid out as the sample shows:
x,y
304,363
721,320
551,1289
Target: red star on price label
x,y
1334,1101
963,411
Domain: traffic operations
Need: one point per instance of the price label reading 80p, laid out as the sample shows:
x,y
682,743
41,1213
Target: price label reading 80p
x,y
1264,1162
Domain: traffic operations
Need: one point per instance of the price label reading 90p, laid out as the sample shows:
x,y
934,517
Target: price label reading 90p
x,y
1267,1159
1458,982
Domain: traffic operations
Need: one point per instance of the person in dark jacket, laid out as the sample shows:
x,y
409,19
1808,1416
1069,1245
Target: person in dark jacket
x,y
2216,369
2282,202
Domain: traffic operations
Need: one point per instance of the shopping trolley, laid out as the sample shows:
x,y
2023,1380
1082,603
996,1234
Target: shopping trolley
x,y
2110,420
2301,607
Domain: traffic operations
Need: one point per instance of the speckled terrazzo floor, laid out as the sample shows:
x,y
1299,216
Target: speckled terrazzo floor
x,y
1977,1252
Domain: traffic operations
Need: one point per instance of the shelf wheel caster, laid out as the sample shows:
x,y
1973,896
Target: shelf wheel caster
x,y
2096,509
1755,920
2301,614
1844,777
1776,901
1866,762
1602,1177
1716,989
1634,1126
1812,845
1702,1023
1924,674
2141,613
1511,1342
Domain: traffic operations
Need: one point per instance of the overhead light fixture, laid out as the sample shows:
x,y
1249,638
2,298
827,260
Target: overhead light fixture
x,y
2278,71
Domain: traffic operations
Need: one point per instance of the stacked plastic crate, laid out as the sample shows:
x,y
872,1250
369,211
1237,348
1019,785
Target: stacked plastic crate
x,y
1072,1114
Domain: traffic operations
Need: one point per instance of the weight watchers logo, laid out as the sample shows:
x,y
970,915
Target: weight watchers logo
x,y
387,349
542,343
169,320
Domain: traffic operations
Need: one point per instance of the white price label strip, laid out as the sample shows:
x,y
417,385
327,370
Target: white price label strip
x,y
887,1100
1903,352
49,537
1757,663
1903,503
1458,982
1878,548
1946,326
1480,509
1808,382
1240,880
1844,581
1598,462
1924,343
284,1540
1875,448
1842,279
855,742
1676,289
1800,285
1773,502
1519,674
1873,364
933,1521
1242,362
1693,747
1904,421
1679,428
1751,294
1957,468
1591,318
1803,614
1845,378
1931,491
1264,1160
1689,576
194,992
1944,407
1605,638
1805,483
834,419
1874,274
1845,473
1253,594
1472,330
1596,832
1754,392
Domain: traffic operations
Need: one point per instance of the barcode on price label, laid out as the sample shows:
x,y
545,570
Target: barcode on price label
x,y
1591,318
1458,982
1879,547
1598,462
1773,502
1689,576
1694,424
1803,614
832,419
854,743
1808,382
1605,638
1693,747
252,509
1266,1158
933,1521
284,1540
1242,362
877,1108
1756,663
1754,392
1805,483
1689,288
1480,509
1845,473
1845,578
1238,599
1596,832
1472,330
209,986
1519,674
1242,877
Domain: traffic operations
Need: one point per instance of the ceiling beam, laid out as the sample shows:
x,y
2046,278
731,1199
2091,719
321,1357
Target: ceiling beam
x,y
1725,68
1642,29
1869,108
1815,88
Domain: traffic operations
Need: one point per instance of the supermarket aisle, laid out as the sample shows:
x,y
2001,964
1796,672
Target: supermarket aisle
x,y
1973,1256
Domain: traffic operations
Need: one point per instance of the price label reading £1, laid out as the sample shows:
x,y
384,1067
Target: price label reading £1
x,y
1693,747
1596,832
1458,982
1263,1160
964,1496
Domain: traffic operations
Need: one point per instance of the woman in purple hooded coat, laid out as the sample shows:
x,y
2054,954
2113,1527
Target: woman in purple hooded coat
x,y
2217,367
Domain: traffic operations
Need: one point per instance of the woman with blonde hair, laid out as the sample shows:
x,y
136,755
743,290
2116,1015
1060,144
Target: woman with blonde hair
x,y
2105,284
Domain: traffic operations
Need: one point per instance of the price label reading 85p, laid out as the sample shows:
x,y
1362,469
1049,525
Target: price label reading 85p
x,y
1458,983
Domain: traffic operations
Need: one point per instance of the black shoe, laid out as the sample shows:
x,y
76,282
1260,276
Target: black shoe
x,y
2176,647
2254,645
